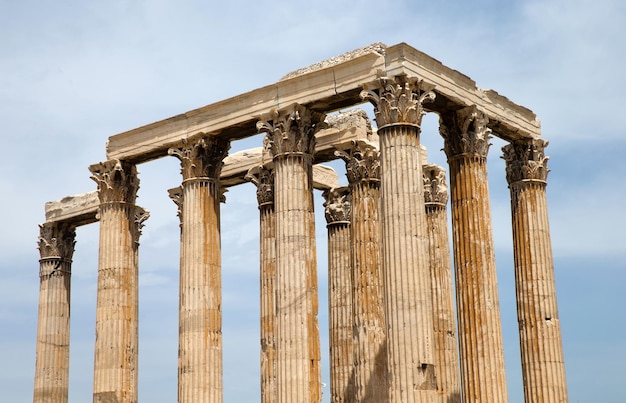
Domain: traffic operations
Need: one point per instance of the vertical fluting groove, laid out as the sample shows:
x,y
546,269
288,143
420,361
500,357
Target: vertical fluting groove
x,y
539,326
200,318
369,316
115,362
268,308
447,359
405,263
340,313
480,333
297,366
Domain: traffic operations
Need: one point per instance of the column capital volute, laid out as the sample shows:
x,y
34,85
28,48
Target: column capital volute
x,y
338,205
117,181
291,130
139,218
526,161
435,187
201,156
362,162
398,100
176,194
465,132
56,241
263,178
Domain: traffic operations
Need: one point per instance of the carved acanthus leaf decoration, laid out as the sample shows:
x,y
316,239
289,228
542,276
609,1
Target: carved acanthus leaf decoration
x,y
399,100
202,157
139,218
291,130
465,132
57,240
176,194
338,204
362,162
525,160
117,181
435,187
263,179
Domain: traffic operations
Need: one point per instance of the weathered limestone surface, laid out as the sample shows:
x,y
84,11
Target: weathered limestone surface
x,y
539,325
200,315
78,209
56,247
342,349
466,142
446,352
115,363
290,137
407,289
331,87
370,365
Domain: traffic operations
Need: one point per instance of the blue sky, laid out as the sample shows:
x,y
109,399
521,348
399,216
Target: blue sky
x,y
73,73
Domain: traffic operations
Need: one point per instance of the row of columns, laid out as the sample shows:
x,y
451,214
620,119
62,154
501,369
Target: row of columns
x,y
390,268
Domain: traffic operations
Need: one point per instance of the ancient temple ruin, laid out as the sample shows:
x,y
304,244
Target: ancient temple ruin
x,y
394,336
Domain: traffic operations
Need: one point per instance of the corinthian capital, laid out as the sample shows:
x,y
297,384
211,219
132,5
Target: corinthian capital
x,y
525,160
57,240
435,187
263,179
398,100
202,157
140,217
338,204
117,181
362,162
291,130
465,132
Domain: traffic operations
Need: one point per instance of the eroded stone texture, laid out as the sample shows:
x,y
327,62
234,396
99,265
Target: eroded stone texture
x,y
115,362
446,352
291,140
466,142
370,366
539,325
56,247
200,311
263,179
342,349
398,106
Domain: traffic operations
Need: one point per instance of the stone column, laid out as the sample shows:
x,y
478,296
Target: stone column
x,y
363,172
539,326
56,247
337,212
116,348
263,178
200,310
291,141
407,290
466,142
446,352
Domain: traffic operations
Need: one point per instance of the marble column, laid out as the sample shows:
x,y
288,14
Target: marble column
x,y
337,212
543,366
446,351
407,289
263,179
291,141
56,247
200,310
116,347
363,172
466,142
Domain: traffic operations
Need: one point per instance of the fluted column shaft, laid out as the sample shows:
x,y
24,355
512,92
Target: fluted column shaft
x,y
56,247
340,309
291,141
446,351
200,312
370,365
407,289
480,331
116,347
539,325
263,178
